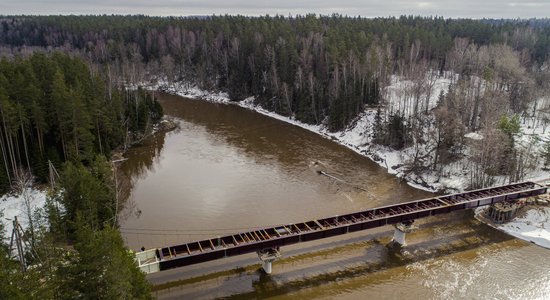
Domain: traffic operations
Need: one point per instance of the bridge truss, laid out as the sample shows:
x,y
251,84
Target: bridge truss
x,y
265,239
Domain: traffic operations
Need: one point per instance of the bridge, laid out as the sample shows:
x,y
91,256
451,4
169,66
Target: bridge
x,y
267,241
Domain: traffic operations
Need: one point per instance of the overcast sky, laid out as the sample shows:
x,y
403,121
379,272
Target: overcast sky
x,y
366,8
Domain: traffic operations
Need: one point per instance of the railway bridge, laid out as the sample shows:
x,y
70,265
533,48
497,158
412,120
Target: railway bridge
x,y
267,241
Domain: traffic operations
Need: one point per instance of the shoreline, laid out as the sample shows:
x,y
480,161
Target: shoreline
x,y
530,225
353,137
358,136
165,125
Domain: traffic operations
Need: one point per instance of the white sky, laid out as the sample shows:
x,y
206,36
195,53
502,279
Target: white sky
x,y
366,8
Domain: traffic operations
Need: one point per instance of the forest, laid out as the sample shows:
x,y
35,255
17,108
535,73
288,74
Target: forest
x,y
311,67
70,94
53,108
57,113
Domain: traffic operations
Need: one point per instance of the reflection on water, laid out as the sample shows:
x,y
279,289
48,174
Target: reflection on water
x,y
144,158
228,169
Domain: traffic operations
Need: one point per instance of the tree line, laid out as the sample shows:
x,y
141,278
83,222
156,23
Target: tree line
x,y
318,69
328,69
55,108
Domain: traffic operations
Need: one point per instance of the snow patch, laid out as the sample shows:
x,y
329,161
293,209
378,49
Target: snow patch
x,y
533,227
190,91
473,136
14,206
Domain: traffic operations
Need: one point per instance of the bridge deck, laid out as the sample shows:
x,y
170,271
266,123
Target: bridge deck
x,y
270,237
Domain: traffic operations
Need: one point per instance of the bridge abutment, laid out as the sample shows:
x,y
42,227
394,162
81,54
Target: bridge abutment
x,y
268,256
503,212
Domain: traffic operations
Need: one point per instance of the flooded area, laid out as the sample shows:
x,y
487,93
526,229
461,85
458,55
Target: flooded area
x,y
227,170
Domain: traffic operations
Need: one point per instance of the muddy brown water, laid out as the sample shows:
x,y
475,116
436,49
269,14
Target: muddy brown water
x,y
227,169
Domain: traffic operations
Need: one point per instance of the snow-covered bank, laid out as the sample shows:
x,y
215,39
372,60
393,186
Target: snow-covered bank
x,y
188,91
13,206
358,136
533,225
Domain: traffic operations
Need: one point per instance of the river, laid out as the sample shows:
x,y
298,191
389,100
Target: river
x,y
228,169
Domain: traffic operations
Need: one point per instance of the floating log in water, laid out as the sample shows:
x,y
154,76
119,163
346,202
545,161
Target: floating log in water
x,y
343,181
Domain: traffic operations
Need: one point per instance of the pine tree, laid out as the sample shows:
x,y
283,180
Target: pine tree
x,y
102,268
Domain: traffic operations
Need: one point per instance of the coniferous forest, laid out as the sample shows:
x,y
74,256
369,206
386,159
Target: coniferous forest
x,y
70,96
53,108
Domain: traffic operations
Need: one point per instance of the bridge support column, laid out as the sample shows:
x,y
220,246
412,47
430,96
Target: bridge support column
x,y
268,256
401,230
267,266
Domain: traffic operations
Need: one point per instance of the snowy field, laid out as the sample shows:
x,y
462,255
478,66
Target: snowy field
x,y
14,205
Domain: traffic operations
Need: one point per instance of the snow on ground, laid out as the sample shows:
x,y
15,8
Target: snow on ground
x,y
474,136
190,91
401,92
14,205
533,227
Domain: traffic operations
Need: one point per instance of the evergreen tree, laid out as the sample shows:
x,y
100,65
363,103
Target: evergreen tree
x,y
86,193
102,268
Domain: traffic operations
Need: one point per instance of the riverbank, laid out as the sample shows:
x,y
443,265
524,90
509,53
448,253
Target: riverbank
x,y
531,224
358,136
165,125
15,205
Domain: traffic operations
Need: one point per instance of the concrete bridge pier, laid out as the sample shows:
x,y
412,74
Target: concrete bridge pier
x,y
268,256
400,232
